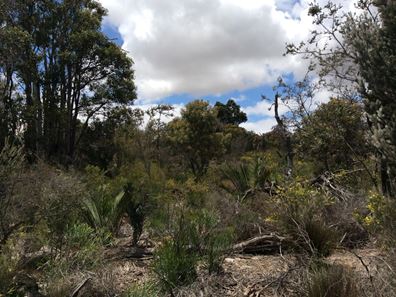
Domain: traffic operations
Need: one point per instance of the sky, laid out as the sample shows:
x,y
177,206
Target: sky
x,y
211,49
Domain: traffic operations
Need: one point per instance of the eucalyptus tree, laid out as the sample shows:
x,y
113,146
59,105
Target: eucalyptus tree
x,y
66,70
197,136
355,53
230,113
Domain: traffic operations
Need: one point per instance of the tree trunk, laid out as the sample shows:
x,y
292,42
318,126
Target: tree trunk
x,y
286,138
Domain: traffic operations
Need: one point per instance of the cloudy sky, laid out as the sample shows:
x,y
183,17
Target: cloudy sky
x,y
211,49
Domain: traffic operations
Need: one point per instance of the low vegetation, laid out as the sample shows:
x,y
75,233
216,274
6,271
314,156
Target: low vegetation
x,y
93,190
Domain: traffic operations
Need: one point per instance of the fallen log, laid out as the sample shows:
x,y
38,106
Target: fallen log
x,y
264,244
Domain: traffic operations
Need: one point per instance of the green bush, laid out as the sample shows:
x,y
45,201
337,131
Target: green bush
x,y
143,185
82,250
101,207
299,214
194,236
216,246
331,281
176,260
175,265
211,240
381,217
245,178
60,194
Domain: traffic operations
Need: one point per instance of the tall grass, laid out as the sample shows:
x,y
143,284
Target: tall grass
x,y
331,281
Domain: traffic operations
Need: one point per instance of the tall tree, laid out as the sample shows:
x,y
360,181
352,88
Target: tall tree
x,y
358,53
230,113
196,135
67,68
333,136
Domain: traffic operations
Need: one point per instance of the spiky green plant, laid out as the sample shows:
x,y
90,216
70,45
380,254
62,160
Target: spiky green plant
x,y
238,175
103,211
244,178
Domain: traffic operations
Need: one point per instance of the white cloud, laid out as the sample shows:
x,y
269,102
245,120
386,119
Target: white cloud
x,y
264,108
207,46
261,126
202,47
239,98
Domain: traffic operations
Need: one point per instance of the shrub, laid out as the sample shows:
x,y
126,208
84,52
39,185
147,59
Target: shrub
x,y
216,246
82,250
381,217
318,237
12,212
193,236
211,240
142,187
300,216
175,261
60,195
175,265
8,267
331,281
245,178
102,205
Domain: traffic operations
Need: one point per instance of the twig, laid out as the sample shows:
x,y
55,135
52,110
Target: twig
x,y
80,286
368,272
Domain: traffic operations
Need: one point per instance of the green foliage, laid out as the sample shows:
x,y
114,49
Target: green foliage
x,y
193,235
331,281
175,262
245,178
175,265
107,139
333,136
11,164
102,205
381,217
239,176
317,237
373,41
237,141
175,197
299,214
142,190
61,193
214,241
366,42
82,250
230,113
50,43
196,136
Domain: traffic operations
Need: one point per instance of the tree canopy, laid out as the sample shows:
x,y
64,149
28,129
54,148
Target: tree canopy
x,y
230,113
196,135
66,71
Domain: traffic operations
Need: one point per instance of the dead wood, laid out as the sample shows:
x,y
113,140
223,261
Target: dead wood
x,y
79,287
327,181
264,244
